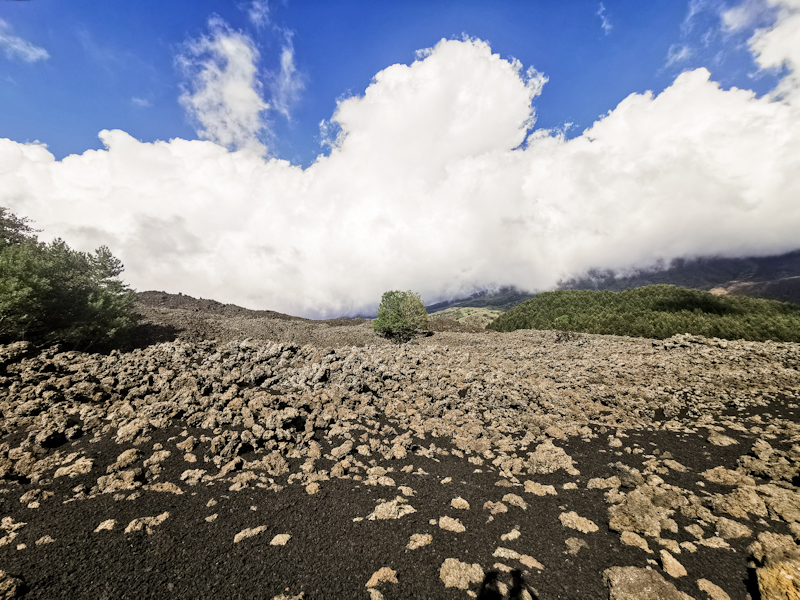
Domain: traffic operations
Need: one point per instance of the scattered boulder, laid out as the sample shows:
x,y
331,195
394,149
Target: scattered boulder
x,y
106,525
713,591
457,574
671,566
382,575
248,533
80,467
451,524
146,523
10,586
515,500
418,540
549,458
631,539
769,463
459,503
575,521
780,580
633,583
721,440
725,476
575,545
540,490
740,502
638,514
728,529
773,548
495,508
394,509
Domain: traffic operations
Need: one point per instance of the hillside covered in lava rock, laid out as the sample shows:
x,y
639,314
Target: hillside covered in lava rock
x,y
261,456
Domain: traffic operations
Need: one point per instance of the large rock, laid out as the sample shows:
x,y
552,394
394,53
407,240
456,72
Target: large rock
x,y
740,502
778,557
769,462
780,581
772,548
548,458
10,586
455,573
782,502
632,583
638,514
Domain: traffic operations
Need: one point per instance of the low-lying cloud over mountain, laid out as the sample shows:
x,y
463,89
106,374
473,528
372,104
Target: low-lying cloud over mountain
x,y
431,183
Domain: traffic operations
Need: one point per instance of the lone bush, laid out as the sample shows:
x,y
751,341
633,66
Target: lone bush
x,y
400,316
50,293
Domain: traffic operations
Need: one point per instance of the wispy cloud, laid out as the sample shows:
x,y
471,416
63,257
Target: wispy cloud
x,y
708,28
287,84
678,53
605,23
223,91
746,14
16,47
258,12
141,102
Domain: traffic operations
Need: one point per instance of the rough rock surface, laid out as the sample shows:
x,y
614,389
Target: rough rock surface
x,y
630,583
325,435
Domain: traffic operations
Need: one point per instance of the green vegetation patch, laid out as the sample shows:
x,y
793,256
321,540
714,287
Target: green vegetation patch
x,y
656,311
50,293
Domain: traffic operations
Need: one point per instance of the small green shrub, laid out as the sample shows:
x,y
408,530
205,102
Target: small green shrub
x,y
401,315
50,293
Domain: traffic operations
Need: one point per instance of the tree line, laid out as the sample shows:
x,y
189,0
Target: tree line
x,y
52,294
656,311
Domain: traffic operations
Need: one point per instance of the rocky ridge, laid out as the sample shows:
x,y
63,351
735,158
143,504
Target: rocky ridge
x,y
451,466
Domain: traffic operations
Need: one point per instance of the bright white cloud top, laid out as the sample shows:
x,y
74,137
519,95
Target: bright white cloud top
x,y
430,184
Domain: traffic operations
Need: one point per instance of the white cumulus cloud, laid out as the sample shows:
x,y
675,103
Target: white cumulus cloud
x,y
435,184
778,46
16,47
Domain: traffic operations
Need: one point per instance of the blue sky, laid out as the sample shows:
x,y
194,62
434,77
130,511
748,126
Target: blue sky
x,y
308,156
113,64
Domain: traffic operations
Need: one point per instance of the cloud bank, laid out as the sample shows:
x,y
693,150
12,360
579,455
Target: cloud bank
x,y
434,183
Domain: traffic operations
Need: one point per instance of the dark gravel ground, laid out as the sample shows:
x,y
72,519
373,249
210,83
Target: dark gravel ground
x,y
329,555
334,548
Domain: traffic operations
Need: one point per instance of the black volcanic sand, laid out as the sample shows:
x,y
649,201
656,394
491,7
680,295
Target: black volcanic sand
x,y
331,556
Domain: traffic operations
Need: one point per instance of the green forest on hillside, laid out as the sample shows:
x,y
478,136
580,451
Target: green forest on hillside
x,y
656,311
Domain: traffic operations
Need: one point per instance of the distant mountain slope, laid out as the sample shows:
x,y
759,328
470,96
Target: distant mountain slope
x,y
158,299
502,299
705,274
786,289
771,277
